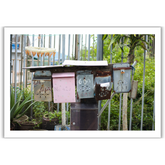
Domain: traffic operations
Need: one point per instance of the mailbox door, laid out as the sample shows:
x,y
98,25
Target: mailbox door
x,y
84,116
64,90
122,78
42,90
64,87
102,85
85,86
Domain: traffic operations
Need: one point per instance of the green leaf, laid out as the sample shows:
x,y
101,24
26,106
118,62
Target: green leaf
x,y
104,36
23,104
21,107
25,110
12,111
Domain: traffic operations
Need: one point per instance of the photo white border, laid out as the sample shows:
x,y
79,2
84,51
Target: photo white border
x,y
82,30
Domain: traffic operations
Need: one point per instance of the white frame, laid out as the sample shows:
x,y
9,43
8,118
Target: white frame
x,y
86,30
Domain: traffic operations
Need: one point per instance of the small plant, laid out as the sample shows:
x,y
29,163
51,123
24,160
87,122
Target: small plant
x,y
55,114
39,110
52,115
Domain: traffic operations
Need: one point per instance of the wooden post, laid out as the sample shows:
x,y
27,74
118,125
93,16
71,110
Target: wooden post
x,y
63,114
125,112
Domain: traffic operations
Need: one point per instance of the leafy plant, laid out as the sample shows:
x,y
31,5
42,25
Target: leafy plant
x,y
39,110
16,108
131,41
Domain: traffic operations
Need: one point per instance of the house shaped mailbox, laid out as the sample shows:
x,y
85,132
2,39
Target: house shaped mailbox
x,y
85,85
102,85
122,78
42,86
64,87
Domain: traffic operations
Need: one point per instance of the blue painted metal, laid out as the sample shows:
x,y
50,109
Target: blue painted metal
x,y
99,47
120,93
63,48
24,59
59,49
99,57
69,47
31,114
62,128
145,51
15,70
79,47
153,123
89,47
109,107
54,47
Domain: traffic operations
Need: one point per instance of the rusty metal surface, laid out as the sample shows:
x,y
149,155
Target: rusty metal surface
x,y
126,68
59,69
102,93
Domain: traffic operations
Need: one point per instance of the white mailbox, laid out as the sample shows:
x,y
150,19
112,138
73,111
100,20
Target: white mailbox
x,y
122,78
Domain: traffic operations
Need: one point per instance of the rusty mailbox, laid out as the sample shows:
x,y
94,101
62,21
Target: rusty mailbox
x,y
85,85
122,78
42,86
102,85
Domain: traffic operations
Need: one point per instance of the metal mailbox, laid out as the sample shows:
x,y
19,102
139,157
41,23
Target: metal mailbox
x,y
122,78
84,116
42,86
85,85
64,87
102,85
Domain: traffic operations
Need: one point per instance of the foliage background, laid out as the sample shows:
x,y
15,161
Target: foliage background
x,y
137,103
